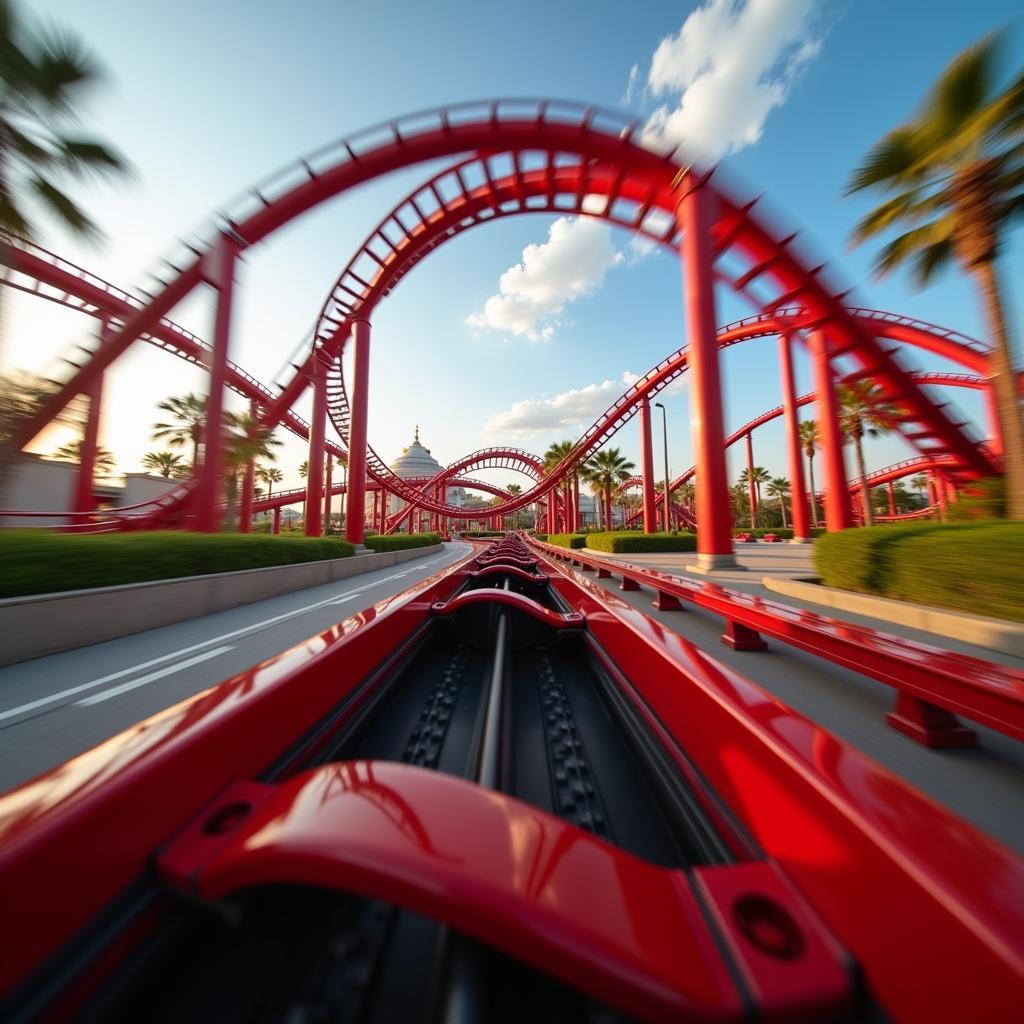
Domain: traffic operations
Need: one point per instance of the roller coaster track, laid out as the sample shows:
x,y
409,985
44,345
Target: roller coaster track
x,y
635,179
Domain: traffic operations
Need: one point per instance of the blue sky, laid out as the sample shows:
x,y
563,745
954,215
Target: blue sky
x,y
208,98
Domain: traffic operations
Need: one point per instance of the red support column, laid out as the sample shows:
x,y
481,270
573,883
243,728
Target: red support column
x,y
248,481
328,484
798,490
218,270
838,511
551,524
85,500
315,466
751,489
891,488
277,520
647,469
714,525
575,503
355,527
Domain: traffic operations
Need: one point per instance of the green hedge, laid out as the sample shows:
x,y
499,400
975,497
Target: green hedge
x,y
401,541
568,540
622,541
974,567
481,534
35,562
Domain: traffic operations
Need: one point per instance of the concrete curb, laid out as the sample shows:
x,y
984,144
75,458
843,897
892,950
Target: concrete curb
x,y
49,623
993,634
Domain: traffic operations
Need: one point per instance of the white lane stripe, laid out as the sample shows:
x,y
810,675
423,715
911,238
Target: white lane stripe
x,y
116,691
53,698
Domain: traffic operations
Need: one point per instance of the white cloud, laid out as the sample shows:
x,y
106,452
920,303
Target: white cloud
x,y
570,412
631,86
570,264
731,63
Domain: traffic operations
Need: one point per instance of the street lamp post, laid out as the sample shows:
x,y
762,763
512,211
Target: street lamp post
x,y
664,432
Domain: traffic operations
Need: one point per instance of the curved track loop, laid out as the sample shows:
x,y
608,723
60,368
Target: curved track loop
x,y
448,204
616,162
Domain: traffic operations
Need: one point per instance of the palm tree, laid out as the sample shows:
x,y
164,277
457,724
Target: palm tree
x,y
269,475
43,77
515,490
187,425
863,413
759,476
920,484
956,178
607,469
778,487
304,469
246,442
165,463
552,457
810,443
103,464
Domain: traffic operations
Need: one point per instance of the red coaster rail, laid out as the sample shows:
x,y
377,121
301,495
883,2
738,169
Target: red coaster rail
x,y
935,685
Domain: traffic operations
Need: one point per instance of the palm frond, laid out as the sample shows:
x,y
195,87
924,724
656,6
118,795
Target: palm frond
x,y
63,66
65,208
964,89
86,155
893,160
931,259
906,246
911,207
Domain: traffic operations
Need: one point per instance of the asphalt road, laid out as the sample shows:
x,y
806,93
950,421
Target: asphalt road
x,y
55,707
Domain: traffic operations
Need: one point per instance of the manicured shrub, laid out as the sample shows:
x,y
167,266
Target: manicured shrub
x,y
481,534
401,541
37,562
568,540
974,567
625,541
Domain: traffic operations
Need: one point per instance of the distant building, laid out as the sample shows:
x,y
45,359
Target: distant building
x,y
416,463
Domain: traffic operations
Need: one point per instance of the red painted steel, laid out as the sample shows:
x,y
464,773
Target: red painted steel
x,y
855,840
315,454
647,467
522,603
794,448
527,883
985,692
84,500
355,507
714,538
838,514
219,270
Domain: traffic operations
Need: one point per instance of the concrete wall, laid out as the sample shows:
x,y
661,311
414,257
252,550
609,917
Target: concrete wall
x,y
37,484
140,487
47,623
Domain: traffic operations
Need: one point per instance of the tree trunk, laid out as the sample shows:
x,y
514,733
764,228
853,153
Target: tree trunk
x,y
1004,381
865,498
608,507
782,507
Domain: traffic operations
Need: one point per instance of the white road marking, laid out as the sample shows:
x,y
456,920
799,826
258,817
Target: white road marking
x,y
115,691
54,698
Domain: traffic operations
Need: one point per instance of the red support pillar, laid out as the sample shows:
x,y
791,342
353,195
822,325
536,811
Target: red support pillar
x,y
355,518
891,488
647,469
575,503
315,466
714,525
794,450
751,489
248,481
328,484
85,500
838,511
552,525
277,520
219,271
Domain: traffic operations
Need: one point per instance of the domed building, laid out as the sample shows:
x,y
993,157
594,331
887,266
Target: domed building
x,y
416,462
